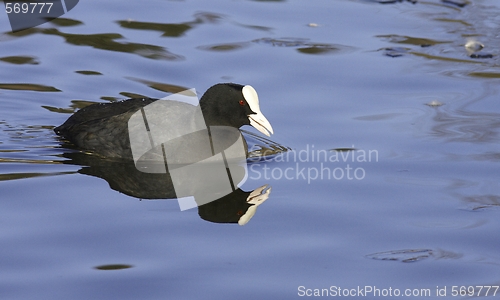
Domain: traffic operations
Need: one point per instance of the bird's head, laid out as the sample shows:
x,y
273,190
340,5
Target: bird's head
x,y
235,105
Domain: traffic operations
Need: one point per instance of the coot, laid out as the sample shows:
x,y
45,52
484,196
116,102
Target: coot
x,y
103,128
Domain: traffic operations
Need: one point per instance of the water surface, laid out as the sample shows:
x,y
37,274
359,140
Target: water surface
x,y
339,80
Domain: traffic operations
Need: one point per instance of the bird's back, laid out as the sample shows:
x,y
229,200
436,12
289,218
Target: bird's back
x,y
102,127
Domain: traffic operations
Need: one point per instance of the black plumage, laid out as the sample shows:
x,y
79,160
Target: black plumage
x,y
103,128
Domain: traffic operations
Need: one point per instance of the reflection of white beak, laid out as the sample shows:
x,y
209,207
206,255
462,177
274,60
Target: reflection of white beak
x,y
257,120
257,197
261,123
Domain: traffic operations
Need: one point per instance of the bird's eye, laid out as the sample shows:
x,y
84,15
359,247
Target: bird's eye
x,y
242,102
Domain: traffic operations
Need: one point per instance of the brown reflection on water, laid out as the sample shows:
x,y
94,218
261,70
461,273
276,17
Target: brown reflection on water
x,y
107,41
113,267
408,40
170,30
160,86
28,87
20,60
304,46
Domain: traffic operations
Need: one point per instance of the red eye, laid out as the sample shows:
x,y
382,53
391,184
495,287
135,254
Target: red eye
x,y
242,102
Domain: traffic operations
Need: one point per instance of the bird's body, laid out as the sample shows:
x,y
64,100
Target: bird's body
x,y
103,128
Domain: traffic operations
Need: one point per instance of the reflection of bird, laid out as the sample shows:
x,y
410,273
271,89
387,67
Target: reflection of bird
x,y
237,207
103,128
122,176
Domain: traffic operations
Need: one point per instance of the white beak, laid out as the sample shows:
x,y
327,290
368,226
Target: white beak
x,y
261,123
257,120
257,197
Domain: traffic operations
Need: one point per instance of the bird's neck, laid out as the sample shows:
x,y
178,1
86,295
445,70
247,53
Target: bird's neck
x,y
211,114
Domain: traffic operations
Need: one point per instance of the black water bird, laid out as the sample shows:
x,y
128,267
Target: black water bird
x,y
102,128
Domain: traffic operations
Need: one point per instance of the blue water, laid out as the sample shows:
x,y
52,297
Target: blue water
x,y
420,213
